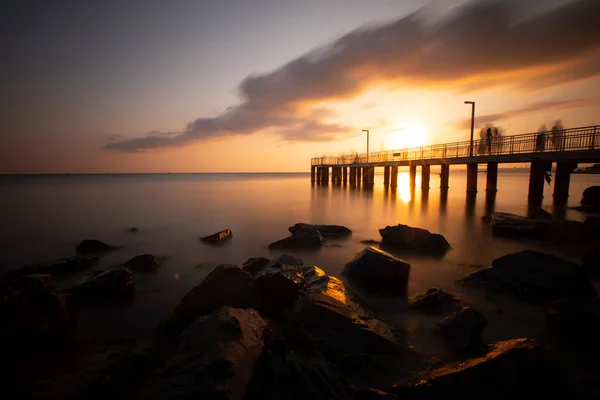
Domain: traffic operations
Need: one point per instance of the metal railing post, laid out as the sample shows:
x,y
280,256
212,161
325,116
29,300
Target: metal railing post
x,y
593,139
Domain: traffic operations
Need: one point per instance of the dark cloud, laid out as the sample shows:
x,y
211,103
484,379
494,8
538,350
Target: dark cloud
x,y
476,45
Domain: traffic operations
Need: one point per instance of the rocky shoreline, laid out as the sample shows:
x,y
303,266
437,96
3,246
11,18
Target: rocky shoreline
x,y
280,329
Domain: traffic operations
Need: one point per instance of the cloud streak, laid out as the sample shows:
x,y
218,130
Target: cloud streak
x,y
482,43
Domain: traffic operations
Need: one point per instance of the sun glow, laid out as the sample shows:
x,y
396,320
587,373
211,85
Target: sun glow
x,y
407,135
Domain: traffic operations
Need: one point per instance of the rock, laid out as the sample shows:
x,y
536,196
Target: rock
x,y
104,287
370,242
593,222
254,265
144,263
285,259
535,277
414,239
226,285
376,271
133,229
538,212
591,197
462,330
515,368
591,263
575,321
216,357
325,230
434,301
93,246
505,224
218,237
279,287
301,240
61,267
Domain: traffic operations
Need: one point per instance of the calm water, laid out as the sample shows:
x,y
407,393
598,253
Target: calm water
x,y
44,217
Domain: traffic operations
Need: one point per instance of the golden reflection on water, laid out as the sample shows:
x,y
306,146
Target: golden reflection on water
x,y
404,189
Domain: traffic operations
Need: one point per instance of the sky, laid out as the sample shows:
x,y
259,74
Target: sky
x,y
264,85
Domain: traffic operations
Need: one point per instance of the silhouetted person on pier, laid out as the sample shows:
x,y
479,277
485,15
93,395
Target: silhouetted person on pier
x,y
540,139
558,135
489,139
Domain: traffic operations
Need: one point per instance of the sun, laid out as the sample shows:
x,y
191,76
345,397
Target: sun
x,y
407,135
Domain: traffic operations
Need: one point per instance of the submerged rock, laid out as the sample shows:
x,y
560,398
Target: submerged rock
x,y
218,237
113,285
133,229
216,357
325,230
144,263
376,271
61,267
591,197
462,330
93,246
533,276
226,285
504,224
301,240
414,239
512,369
434,301
254,265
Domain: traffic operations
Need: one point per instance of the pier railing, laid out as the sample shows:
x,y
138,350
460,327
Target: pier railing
x,y
574,139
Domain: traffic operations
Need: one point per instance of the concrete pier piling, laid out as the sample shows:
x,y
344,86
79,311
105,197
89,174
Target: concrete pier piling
x,y
444,176
412,172
394,177
562,181
386,175
492,177
425,175
537,178
472,178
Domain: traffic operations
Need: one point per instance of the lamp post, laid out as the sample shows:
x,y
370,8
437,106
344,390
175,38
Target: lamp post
x,y
366,130
472,103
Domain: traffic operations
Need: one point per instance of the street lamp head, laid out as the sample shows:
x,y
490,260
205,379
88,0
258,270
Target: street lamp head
x,y
469,102
365,130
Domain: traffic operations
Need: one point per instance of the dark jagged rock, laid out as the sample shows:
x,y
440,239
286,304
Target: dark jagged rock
x,y
376,271
279,287
414,239
538,212
370,242
226,285
533,276
462,330
254,265
104,287
591,197
144,263
433,301
285,259
512,369
300,240
93,246
505,224
61,267
218,237
216,357
575,321
593,222
591,263
325,230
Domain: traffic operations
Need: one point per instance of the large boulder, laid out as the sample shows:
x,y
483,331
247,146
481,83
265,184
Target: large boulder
x,y
325,230
103,287
61,267
591,197
376,271
505,224
575,321
216,357
226,285
515,368
285,259
144,263
533,276
434,301
218,237
591,262
414,239
301,240
254,265
462,330
93,246
279,286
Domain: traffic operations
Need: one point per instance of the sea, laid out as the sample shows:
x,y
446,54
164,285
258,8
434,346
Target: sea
x,y
44,217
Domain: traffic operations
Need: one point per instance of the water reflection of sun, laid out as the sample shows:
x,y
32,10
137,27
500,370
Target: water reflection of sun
x,y
404,186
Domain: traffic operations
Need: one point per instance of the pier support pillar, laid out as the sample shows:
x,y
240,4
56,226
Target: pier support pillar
x,y
412,172
371,176
312,173
536,180
318,174
562,180
368,176
352,176
324,175
471,178
444,176
345,174
386,176
394,176
492,177
425,174
338,175
358,175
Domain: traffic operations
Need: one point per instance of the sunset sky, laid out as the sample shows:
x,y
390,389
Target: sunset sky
x,y
263,85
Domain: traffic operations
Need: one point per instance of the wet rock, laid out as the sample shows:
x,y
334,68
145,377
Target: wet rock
x,y
285,259
591,197
104,287
433,301
462,330
279,287
144,263
505,224
591,263
216,357
93,246
414,239
370,242
301,240
512,369
538,212
376,271
226,285
575,321
61,267
535,277
254,265
593,222
325,230
218,237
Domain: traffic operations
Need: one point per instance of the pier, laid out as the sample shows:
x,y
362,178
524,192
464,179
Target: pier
x,y
566,148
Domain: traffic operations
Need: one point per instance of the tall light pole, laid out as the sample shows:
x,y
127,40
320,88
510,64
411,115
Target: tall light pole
x,y
366,130
472,103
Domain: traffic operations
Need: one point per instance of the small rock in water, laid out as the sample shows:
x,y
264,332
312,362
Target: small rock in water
x,y
113,285
414,239
325,230
61,267
370,242
93,246
434,300
133,229
462,330
254,265
302,240
218,237
144,263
